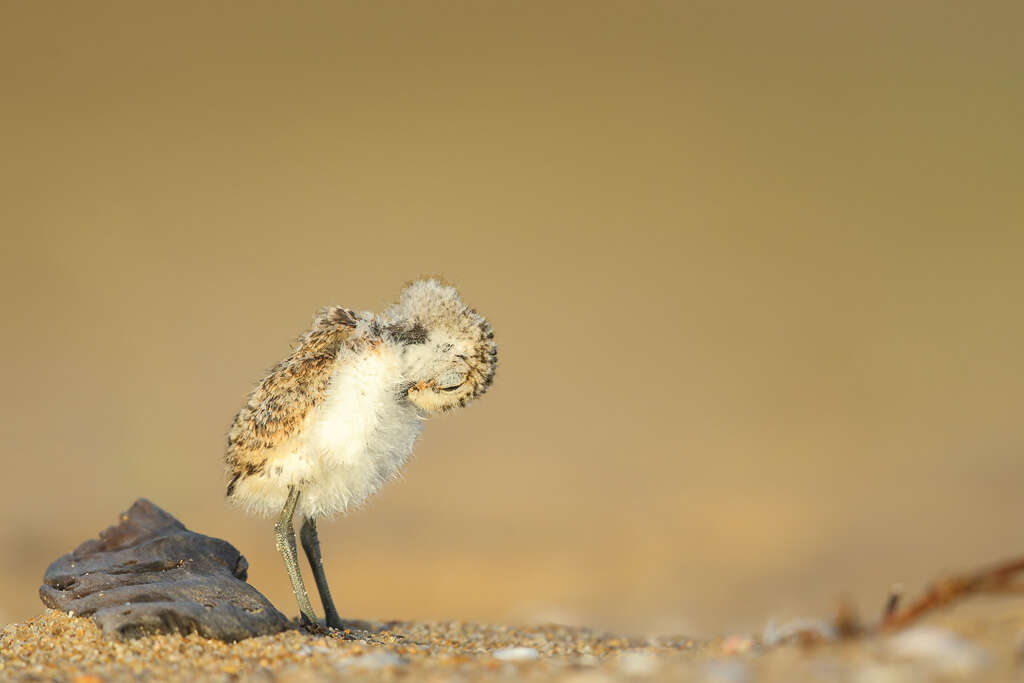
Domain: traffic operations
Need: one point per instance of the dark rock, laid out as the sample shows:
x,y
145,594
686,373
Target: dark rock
x,y
149,574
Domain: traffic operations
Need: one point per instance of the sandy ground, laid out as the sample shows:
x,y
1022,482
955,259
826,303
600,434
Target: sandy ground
x,y
754,269
982,639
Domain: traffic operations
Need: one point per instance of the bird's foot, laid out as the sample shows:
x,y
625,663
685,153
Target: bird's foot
x,y
335,622
315,628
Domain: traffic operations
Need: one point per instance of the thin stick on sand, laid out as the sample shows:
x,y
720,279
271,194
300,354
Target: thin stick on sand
x,y
1000,578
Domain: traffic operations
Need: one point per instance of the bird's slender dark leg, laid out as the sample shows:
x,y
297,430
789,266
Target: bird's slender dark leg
x,y
285,533
311,544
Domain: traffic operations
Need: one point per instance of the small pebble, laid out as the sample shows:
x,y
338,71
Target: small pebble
x,y
372,661
516,654
637,663
737,644
942,649
776,634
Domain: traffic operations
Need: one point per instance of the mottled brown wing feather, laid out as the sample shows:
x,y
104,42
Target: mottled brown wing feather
x,y
279,407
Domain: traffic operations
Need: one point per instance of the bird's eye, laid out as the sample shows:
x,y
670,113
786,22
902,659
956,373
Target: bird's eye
x,y
450,380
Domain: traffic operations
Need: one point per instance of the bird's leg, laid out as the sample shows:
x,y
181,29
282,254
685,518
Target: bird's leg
x,y
311,544
285,533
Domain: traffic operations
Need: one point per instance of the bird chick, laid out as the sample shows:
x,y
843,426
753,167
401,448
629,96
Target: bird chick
x,y
337,418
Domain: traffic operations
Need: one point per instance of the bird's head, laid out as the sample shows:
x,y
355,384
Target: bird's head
x,y
448,349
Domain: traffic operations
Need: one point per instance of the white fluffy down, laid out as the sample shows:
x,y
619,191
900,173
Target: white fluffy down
x,y
358,438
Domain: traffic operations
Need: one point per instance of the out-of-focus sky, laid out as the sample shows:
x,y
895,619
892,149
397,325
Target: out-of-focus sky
x,y
755,270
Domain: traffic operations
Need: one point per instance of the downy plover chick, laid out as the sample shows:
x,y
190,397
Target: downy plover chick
x,y
338,417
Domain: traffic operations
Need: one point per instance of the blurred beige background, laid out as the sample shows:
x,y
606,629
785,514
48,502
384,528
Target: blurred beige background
x,y
755,270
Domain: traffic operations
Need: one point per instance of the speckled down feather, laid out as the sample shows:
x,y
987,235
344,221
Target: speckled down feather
x,y
339,416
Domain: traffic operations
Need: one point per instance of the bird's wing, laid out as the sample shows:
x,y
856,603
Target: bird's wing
x,y
279,407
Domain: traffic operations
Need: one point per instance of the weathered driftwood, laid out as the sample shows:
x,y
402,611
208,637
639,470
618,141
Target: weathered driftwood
x,y
149,574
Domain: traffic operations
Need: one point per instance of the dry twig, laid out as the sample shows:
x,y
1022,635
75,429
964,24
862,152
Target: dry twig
x,y
996,579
